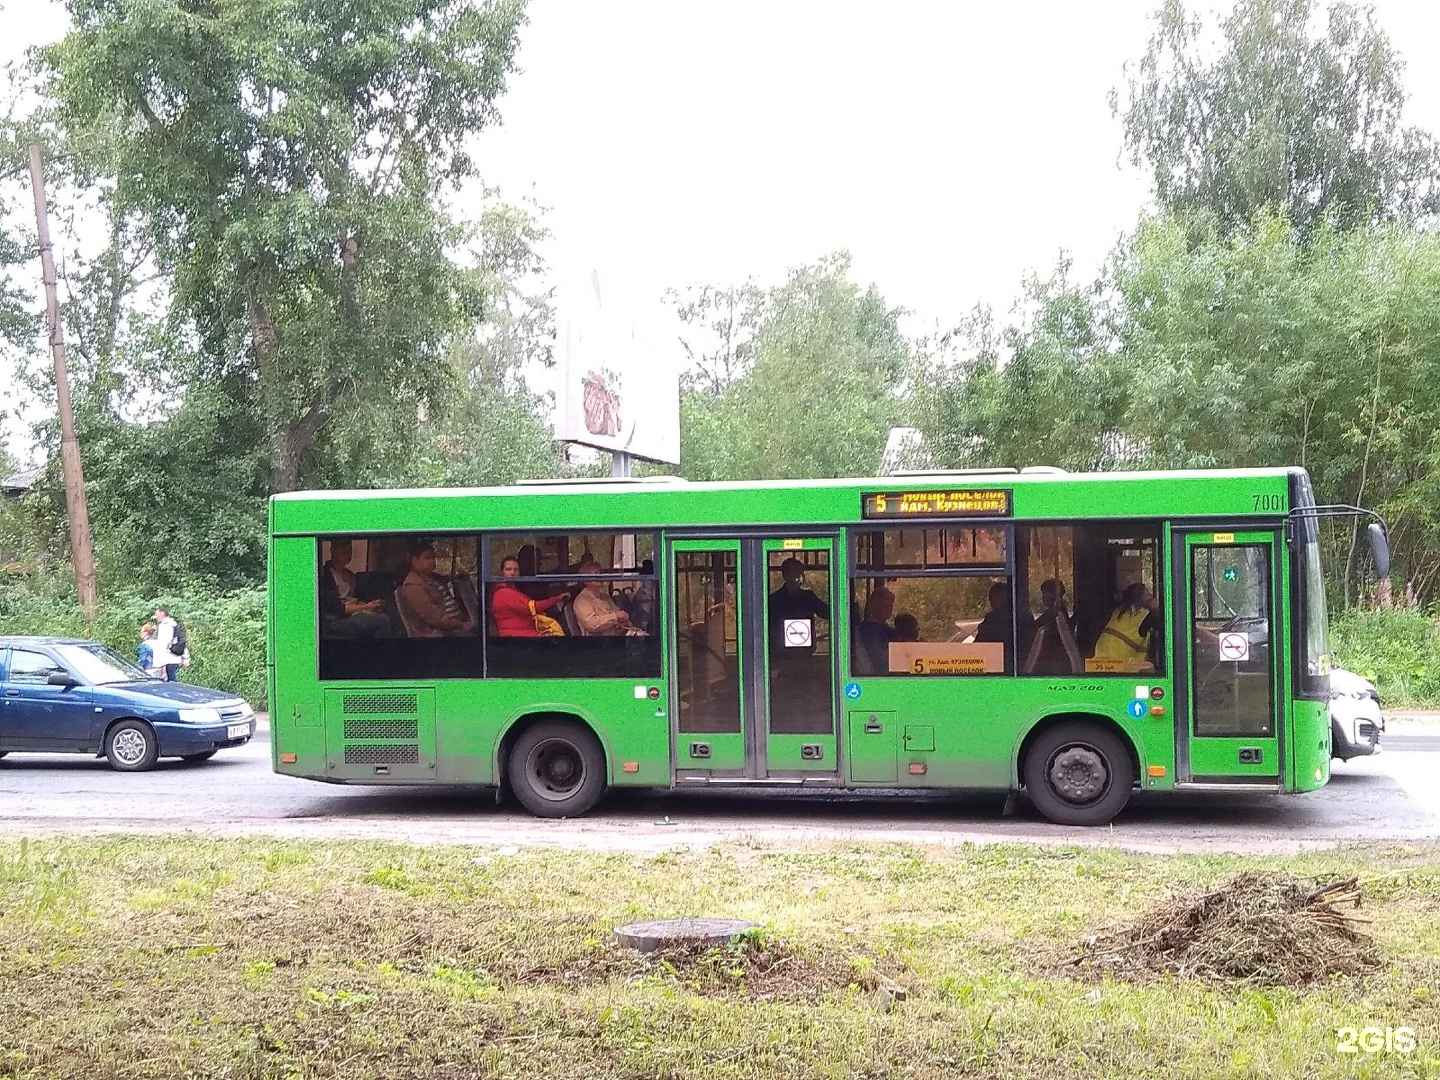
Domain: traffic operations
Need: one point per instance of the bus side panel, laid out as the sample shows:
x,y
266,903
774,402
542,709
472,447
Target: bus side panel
x,y
967,732
296,705
1309,744
474,718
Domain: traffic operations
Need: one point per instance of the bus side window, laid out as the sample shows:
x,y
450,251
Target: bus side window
x,y
398,607
572,605
1096,591
934,601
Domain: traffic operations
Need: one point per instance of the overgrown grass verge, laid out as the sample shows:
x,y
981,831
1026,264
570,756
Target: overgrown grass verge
x,y
138,957
226,631
1397,648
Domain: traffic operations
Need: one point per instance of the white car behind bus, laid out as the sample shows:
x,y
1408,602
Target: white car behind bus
x,y
1355,718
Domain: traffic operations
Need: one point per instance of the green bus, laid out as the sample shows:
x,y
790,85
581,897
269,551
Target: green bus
x,y
1074,636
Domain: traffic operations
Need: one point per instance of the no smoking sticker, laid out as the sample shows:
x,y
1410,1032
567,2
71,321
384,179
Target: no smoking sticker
x,y
1235,647
798,634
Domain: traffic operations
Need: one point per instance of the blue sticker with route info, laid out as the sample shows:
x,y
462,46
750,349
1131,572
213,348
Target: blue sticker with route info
x,y
852,691
1139,708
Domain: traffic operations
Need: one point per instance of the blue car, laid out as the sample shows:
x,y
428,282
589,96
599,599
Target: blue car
x,y
63,695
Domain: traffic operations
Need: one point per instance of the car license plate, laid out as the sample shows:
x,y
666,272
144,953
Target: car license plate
x,y
237,731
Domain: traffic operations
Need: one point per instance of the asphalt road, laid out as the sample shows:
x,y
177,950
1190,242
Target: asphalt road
x,y
1391,797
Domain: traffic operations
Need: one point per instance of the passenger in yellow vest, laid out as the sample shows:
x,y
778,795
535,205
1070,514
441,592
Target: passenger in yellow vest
x,y
1132,627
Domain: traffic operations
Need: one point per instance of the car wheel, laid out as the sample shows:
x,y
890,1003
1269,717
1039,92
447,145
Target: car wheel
x,y
557,769
1078,774
204,755
131,746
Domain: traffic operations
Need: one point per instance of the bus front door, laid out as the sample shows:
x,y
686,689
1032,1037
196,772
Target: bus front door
x,y
753,668
1230,633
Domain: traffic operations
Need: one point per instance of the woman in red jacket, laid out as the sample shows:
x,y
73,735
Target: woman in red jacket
x,y
510,608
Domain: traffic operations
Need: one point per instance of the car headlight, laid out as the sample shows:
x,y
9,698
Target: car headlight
x,y
199,716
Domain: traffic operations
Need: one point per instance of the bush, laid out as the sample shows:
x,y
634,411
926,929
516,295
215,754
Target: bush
x,y
226,632
1396,648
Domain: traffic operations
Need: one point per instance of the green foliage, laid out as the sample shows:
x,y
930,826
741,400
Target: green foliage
x,y
1044,392
1251,350
491,428
289,159
226,632
812,391
1278,118
1395,648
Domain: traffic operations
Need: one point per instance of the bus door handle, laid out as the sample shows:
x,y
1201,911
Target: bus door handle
x,y
874,727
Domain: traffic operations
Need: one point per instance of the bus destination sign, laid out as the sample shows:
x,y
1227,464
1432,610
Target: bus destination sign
x,y
953,502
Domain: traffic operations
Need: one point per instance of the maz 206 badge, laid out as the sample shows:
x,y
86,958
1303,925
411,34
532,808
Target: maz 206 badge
x,y
1375,1040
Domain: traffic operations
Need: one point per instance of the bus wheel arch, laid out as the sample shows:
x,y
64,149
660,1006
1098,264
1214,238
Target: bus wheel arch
x,y
1078,768
554,763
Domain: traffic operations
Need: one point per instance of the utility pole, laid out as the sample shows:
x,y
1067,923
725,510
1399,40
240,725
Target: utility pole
x,y
80,554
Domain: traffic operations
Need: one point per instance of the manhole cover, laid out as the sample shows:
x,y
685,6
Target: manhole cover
x,y
649,936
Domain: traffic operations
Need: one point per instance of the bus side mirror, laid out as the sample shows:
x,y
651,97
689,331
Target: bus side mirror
x,y
1379,550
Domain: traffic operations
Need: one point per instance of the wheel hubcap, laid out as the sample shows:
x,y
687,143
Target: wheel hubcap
x,y
1078,774
129,746
557,769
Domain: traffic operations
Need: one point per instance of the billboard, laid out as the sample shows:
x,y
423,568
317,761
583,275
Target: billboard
x,y
619,387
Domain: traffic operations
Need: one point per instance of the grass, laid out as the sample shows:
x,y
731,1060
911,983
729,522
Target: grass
x,y
1394,647
142,957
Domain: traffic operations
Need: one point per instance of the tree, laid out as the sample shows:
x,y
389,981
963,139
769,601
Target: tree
x,y
1309,126
812,391
720,326
1046,390
1249,350
289,159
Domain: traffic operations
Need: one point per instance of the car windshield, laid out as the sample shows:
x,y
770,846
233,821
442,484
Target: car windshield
x,y
99,665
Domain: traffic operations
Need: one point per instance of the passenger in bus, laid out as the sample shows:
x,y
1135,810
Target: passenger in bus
x,y
514,612
597,614
529,559
907,627
342,614
1134,627
794,601
876,633
422,599
1052,628
1000,624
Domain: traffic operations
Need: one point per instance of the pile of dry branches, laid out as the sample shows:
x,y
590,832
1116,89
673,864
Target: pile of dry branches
x,y
1262,928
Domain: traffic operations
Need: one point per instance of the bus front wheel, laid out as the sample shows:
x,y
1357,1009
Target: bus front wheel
x,y
1078,774
557,769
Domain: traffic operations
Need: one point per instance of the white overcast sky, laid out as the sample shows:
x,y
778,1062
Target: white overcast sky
x,y
950,146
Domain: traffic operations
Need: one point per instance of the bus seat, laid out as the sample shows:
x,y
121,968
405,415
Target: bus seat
x,y
1036,648
1072,650
465,592
392,603
568,619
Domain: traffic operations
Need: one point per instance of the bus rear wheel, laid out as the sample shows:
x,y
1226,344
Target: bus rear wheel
x,y
1079,774
557,769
